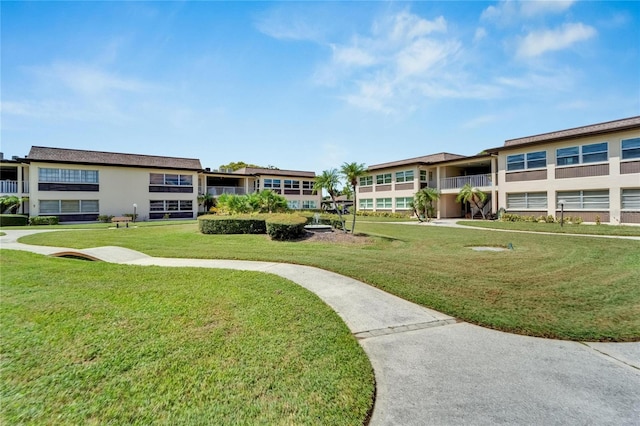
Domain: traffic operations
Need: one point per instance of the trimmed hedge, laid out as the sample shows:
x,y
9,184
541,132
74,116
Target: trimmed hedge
x,y
214,224
13,220
43,220
281,227
286,227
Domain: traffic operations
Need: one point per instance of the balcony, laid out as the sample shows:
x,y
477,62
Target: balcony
x,y
460,181
11,187
219,190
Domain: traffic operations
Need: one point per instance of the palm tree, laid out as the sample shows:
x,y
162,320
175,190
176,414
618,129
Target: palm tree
x,y
473,196
207,200
352,172
11,203
423,202
328,181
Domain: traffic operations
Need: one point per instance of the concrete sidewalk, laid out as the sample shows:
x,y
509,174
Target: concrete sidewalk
x,y
432,370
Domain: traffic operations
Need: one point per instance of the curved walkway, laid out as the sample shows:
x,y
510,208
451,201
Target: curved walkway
x,y
433,370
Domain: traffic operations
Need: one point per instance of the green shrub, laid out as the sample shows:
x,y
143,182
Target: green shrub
x,y
13,220
402,215
105,218
215,224
286,227
43,220
511,217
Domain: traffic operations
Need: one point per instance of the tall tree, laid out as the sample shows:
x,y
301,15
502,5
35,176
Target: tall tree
x,y
423,202
237,165
352,172
329,181
473,196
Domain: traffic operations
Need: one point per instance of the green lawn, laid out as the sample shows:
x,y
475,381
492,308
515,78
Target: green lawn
x,y
557,286
95,343
617,230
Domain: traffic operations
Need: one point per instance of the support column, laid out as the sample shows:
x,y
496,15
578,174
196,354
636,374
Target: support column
x,y
438,213
494,185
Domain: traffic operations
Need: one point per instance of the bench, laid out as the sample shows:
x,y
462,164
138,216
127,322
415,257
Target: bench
x,y
121,219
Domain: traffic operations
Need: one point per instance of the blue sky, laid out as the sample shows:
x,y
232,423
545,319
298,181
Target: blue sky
x,y
310,85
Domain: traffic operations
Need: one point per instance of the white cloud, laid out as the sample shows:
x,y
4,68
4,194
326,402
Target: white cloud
x,y
533,8
508,12
87,80
382,71
480,34
279,24
406,26
423,55
538,42
352,56
480,121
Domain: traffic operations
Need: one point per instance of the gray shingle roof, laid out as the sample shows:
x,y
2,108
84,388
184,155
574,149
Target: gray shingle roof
x,y
426,159
78,156
593,129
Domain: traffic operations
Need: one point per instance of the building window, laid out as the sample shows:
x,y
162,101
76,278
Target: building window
x,y
384,203
307,184
383,179
531,160
591,153
406,176
293,204
583,200
403,202
309,204
67,176
630,148
291,184
631,199
69,206
366,181
272,183
527,200
423,175
170,205
170,179
366,203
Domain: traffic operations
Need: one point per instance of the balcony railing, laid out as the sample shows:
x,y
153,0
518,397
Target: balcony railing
x,y
8,187
460,181
219,190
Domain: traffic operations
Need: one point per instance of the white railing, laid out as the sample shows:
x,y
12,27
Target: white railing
x,y
8,187
219,190
460,181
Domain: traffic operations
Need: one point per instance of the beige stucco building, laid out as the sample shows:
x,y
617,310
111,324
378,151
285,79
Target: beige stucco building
x,y
592,172
80,185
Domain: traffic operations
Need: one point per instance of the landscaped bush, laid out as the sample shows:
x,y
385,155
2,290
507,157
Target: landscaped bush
x,y
512,217
215,224
402,215
105,218
13,220
43,220
286,227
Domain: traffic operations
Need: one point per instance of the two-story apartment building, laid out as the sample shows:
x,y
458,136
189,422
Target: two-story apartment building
x,y
295,185
79,185
591,171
